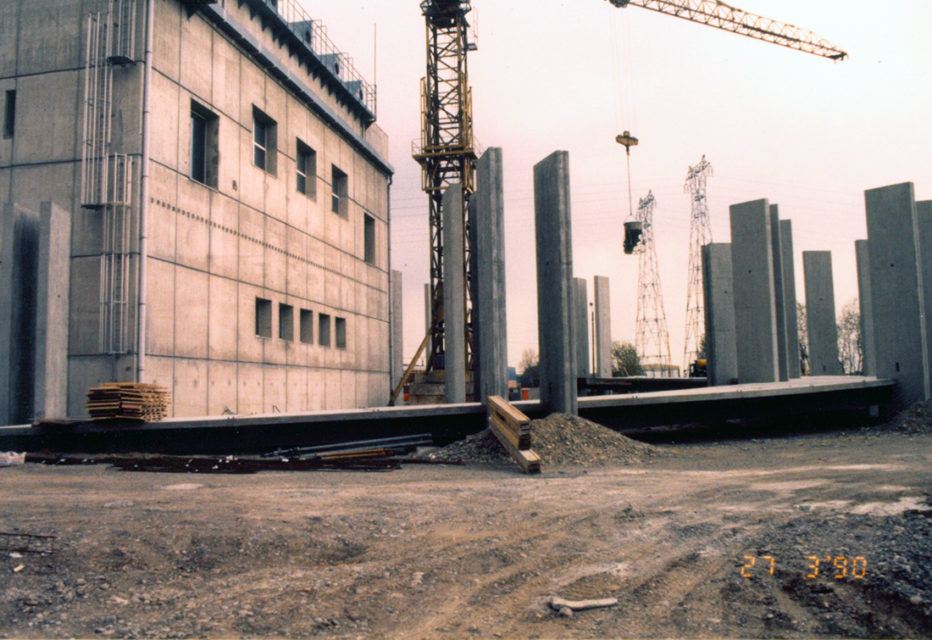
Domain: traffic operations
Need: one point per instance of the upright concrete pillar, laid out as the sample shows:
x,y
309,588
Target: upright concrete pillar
x,y
555,283
396,319
428,318
718,294
488,249
820,314
454,304
869,358
924,218
793,366
580,326
755,313
779,293
897,294
19,232
603,327
51,319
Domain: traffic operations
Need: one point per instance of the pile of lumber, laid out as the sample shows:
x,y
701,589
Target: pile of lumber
x,y
132,400
513,430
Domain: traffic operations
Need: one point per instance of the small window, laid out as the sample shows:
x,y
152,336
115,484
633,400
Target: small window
x,y
264,133
368,232
286,322
323,329
340,191
306,328
306,162
340,330
204,145
9,114
263,318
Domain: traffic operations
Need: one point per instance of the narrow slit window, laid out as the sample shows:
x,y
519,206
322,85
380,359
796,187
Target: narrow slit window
x,y
306,328
286,322
340,187
368,226
306,170
263,318
204,145
323,329
9,114
340,331
264,133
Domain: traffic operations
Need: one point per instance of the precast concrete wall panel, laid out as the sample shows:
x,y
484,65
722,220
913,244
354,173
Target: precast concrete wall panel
x,y
603,327
580,325
924,218
718,294
820,314
555,284
779,292
454,305
789,299
896,290
865,302
755,314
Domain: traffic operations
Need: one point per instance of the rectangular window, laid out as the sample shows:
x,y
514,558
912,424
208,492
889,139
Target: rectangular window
x,y
306,328
340,189
264,136
368,232
323,329
340,330
9,114
286,322
263,318
306,161
204,145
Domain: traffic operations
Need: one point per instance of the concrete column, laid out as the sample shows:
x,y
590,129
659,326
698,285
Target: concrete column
x,y
718,294
396,320
427,318
755,315
603,327
791,319
869,363
52,300
488,213
19,230
924,218
779,293
896,291
580,326
454,305
820,314
554,283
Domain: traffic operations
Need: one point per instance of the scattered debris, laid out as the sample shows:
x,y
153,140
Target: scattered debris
x,y
559,604
16,542
11,458
132,400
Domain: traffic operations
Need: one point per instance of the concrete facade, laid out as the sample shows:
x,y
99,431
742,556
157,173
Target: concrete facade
x,y
603,327
779,293
793,365
489,320
261,266
820,314
924,218
581,326
454,304
868,343
900,343
755,313
718,293
555,317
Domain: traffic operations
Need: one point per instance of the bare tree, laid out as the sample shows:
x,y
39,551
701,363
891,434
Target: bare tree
x,y
803,330
529,366
850,349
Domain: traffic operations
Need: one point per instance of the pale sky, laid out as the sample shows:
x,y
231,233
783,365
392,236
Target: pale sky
x,y
799,130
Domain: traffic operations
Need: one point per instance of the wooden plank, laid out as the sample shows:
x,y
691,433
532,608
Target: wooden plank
x,y
521,441
509,413
527,460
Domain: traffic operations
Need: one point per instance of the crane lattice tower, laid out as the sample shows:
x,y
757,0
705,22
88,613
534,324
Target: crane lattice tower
x,y
652,341
700,233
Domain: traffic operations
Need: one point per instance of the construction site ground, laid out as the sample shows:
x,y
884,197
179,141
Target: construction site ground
x,y
813,535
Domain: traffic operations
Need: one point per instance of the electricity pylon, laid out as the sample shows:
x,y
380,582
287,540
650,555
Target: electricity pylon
x,y
652,341
700,233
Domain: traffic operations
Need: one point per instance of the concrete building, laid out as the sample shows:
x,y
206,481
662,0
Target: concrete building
x,y
227,189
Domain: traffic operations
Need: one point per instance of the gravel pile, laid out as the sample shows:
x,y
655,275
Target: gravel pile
x,y
559,439
914,420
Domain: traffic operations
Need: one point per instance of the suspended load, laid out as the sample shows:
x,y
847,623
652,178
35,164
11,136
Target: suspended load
x,y
633,230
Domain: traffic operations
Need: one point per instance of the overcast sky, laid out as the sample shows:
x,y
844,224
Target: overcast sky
x,y
801,131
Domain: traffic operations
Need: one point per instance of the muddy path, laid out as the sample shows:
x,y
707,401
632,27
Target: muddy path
x,y
822,535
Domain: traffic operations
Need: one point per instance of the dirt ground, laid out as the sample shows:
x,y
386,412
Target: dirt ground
x,y
824,535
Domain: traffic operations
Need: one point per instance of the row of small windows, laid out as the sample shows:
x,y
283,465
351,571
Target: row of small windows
x,y
205,155
286,327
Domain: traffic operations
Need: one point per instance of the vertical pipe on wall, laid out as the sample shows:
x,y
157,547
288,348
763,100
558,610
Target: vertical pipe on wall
x,y
144,198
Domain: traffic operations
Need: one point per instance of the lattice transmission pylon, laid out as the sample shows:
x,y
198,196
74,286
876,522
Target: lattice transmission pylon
x,y
652,341
700,233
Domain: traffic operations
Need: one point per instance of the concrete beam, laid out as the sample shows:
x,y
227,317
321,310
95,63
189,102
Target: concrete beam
x,y
900,342
755,313
580,326
454,305
488,250
862,255
554,284
51,319
820,314
789,298
397,329
718,294
779,293
603,327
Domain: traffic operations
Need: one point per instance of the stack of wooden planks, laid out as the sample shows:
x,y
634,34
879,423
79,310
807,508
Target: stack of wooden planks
x,y
132,400
513,430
